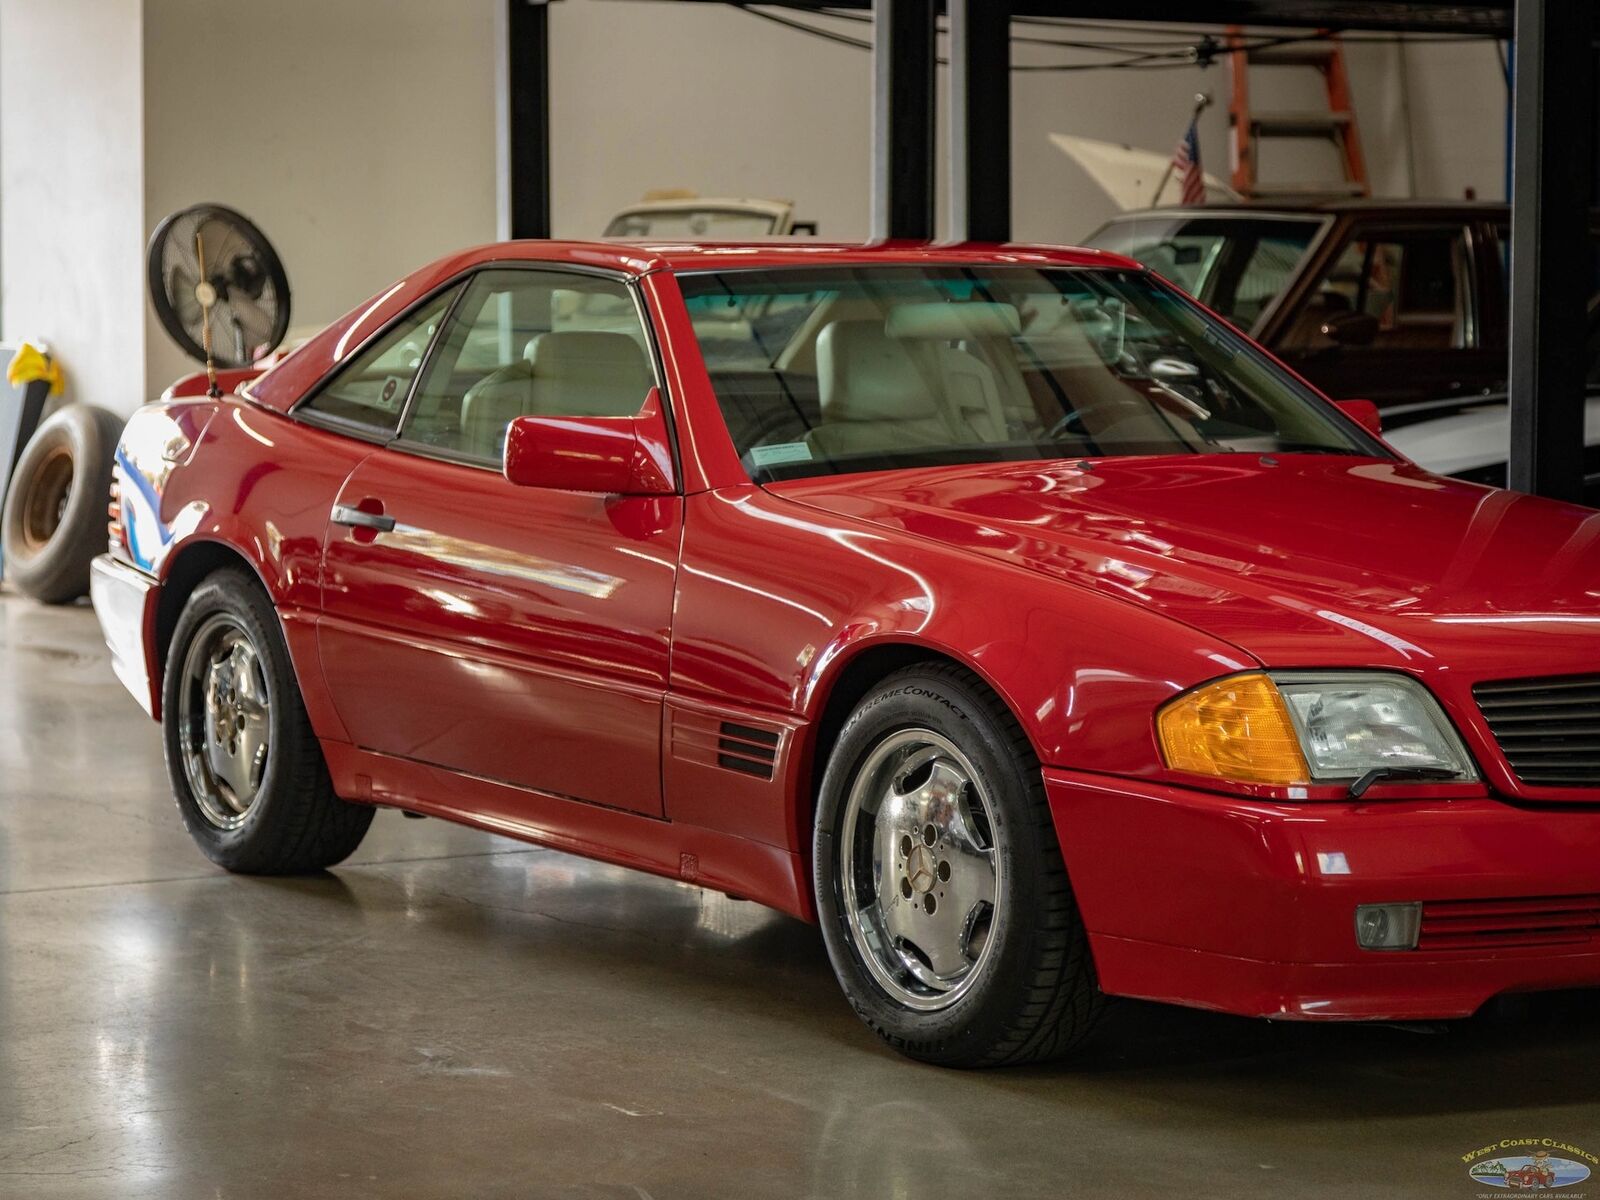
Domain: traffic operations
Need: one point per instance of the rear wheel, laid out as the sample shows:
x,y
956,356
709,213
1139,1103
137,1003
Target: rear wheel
x,y
249,776
942,893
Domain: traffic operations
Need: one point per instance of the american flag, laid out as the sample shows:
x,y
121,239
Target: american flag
x,y
1186,165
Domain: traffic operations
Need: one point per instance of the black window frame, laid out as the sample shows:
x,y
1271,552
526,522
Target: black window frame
x,y
301,410
461,282
466,459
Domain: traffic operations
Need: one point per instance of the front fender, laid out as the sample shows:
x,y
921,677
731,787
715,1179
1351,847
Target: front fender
x,y
777,598
190,471
206,482
158,440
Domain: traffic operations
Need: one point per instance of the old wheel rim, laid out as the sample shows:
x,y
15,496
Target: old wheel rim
x,y
921,873
45,502
224,721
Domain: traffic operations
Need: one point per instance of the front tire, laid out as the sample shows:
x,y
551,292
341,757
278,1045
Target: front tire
x,y
249,777
942,893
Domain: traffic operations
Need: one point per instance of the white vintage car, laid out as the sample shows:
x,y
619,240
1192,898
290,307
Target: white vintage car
x,y
1472,440
687,217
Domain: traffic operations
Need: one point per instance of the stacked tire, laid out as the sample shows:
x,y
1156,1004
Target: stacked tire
x,y
54,520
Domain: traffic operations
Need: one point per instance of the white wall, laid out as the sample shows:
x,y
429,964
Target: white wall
x,y
70,172
1458,109
358,134
649,95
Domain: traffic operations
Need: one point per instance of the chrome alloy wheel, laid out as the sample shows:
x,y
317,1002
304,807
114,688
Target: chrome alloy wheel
x,y
921,873
225,721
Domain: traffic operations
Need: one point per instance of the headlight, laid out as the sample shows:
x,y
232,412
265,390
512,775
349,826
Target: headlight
x,y
1292,727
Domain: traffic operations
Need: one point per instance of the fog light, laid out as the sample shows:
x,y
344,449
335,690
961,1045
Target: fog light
x,y
1388,926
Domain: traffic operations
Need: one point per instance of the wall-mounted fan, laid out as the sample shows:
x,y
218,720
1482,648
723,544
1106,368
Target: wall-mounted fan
x,y
218,286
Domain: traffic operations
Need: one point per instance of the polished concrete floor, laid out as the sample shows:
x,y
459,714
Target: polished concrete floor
x,y
455,1015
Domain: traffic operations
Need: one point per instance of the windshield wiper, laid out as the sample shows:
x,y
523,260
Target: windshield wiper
x,y
1359,788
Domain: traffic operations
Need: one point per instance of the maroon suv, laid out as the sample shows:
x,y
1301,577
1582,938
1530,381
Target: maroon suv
x,y
1391,301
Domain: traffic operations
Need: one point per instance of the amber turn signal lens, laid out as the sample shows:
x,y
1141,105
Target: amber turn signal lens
x,y
1237,728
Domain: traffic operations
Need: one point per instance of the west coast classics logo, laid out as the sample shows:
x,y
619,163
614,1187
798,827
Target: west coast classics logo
x,y
1530,1165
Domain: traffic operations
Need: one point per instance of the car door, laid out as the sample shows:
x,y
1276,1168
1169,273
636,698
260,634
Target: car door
x,y
516,634
1395,316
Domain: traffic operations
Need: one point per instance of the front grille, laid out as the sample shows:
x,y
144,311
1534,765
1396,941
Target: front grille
x,y
1501,924
1548,729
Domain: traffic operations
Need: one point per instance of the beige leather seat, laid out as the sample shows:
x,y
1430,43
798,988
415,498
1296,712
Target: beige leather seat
x,y
571,373
1019,414
493,402
874,394
943,335
972,397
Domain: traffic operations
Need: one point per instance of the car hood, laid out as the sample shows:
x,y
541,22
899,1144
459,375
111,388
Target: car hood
x,y
1306,560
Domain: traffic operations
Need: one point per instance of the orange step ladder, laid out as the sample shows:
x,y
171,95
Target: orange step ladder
x,y
1337,124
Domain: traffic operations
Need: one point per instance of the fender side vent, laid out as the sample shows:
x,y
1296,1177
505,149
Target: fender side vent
x,y
705,738
747,749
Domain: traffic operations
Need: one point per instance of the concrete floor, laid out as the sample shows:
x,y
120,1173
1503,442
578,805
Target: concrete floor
x,y
455,1015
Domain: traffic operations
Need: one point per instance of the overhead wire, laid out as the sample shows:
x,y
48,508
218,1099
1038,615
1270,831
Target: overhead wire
x,y
1202,51
1201,48
1131,61
1355,37
1179,46
826,34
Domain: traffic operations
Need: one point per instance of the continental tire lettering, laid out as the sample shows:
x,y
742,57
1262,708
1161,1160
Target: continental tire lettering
x,y
925,693
937,698
875,701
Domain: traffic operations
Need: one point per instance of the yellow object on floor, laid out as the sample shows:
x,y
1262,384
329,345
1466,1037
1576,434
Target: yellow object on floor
x,y
32,363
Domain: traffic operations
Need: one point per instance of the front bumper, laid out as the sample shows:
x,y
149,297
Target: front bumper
x,y
124,601
1249,907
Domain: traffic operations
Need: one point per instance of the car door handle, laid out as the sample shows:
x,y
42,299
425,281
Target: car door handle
x,y
346,514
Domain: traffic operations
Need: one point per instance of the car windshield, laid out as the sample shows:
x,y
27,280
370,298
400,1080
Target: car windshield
x,y
1236,265
692,224
842,369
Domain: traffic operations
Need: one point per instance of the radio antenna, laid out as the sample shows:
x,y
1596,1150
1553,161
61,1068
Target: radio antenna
x,y
206,294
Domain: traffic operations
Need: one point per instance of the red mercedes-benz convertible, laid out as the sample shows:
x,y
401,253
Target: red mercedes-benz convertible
x,y
997,608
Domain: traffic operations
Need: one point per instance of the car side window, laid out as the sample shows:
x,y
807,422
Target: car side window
x,y
371,389
1403,290
1271,264
530,343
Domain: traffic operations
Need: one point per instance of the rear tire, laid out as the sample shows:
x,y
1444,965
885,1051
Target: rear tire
x,y
250,780
54,522
941,889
